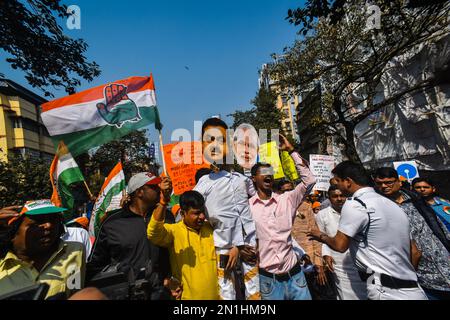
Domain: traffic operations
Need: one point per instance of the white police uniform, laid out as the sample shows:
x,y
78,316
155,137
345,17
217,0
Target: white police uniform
x,y
380,246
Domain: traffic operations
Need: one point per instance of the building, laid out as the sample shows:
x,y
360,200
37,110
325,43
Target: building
x,y
21,129
286,102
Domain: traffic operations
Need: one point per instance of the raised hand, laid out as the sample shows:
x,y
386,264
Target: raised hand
x,y
285,145
166,189
115,113
8,213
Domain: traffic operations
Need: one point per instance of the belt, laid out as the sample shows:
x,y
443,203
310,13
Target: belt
x,y
390,282
282,276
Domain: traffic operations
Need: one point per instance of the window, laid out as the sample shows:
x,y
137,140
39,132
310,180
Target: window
x,y
17,123
30,125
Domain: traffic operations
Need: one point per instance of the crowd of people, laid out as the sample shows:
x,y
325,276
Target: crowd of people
x,y
235,237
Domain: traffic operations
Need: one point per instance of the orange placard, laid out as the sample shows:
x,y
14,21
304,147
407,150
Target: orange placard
x,y
183,159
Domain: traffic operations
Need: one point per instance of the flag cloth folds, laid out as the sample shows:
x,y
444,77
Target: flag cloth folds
x,y
96,116
64,171
108,199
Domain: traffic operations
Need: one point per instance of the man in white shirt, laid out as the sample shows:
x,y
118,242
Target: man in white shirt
x,y
226,199
377,232
75,234
348,283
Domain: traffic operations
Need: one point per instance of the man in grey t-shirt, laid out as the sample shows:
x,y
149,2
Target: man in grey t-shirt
x,y
377,233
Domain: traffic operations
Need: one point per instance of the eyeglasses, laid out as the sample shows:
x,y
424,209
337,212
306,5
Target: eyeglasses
x,y
387,183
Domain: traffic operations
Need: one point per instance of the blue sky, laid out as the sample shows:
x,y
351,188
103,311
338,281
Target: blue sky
x,y
223,43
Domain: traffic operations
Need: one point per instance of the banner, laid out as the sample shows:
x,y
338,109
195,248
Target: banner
x,y
268,153
183,159
321,166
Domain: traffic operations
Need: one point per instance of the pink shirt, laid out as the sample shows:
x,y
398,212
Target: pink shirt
x,y
274,222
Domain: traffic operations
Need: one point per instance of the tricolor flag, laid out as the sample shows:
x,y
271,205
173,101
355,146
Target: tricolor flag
x,y
108,199
96,116
63,172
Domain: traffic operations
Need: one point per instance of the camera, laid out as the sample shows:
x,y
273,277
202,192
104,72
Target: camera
x,y
119,283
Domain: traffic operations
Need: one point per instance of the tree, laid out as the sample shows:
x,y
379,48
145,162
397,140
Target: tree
x,y
30,34
354,64
265,114
334,11
132,150
23,179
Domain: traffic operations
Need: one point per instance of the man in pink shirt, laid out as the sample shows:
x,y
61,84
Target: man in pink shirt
x,y
281,276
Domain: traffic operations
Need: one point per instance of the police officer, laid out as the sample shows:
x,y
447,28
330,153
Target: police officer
x,y
377,233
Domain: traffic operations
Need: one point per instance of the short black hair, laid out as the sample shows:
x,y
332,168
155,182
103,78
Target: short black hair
x,y
200,173
332,188
352,170
426,180
191,200
256,167
213,122
386,172
282,182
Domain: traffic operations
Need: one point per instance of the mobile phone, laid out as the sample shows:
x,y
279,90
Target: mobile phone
x,y
223,260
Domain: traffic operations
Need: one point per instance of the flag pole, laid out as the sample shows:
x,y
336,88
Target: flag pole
x,y
87,188
162,152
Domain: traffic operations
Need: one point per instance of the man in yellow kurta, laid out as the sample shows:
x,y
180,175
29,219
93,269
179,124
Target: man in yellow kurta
x,y
191,247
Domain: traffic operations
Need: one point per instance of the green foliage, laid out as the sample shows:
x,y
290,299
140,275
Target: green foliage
x,y
351,61
132,150
265,115
23,179
35,44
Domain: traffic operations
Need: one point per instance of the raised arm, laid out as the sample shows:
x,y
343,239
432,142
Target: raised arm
x,y
157,232
296,196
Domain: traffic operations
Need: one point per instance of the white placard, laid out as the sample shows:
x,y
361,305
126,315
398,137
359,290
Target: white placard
x,y
321,166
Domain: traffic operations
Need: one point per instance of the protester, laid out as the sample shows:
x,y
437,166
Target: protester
x,y
191,248
434,265
122,242
326,203
348,283
304,223
428,191
226,199
77,233
36,254
377,232
315,206
280,273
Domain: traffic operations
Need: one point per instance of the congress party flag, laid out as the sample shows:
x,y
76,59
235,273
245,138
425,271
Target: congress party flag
x,y
64,171
108,199
96,116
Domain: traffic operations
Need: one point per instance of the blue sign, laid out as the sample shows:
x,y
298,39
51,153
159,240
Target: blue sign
x,y
152,151
407,170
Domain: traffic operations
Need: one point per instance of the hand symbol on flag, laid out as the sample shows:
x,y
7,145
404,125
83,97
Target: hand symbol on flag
x,y
119,108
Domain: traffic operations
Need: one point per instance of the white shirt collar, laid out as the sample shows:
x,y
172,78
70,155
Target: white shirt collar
x,y
361,191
